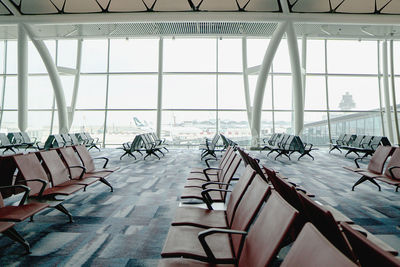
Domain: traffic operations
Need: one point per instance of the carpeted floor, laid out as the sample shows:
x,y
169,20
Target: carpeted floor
x,y
128,227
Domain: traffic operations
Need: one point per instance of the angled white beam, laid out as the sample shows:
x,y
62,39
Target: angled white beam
x,y
71,111
22,79
253,70
11,7
160,85
394,100
386,94
54,77
66,70
262,80
106,18
246,80
304,65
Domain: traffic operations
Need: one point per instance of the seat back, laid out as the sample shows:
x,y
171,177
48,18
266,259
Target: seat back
x,y
29,167
89,137
367,252
226,166
231,171
377,161
290,143
238,191
85,157
358,141
385,141
264,238
26,138
348,140
273,138
367,141
254,164
136,143
74,139
71,159
4,140
340,138
248,208
7,170
58,141
81,137
394,161
49,142
326,224
283,141
244,156
311,248
67,139
225,157
375,142
54,166
15,138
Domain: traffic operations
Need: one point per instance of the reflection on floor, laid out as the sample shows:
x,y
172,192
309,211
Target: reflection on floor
x,y
128,227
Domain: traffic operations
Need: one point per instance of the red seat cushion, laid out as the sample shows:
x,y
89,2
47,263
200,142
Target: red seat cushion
x,y
20,213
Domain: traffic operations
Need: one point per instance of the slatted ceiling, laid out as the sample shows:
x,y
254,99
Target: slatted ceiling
x,y
392,8
320,6
357,6
262,5
81,6
4,10
38,7
220,5
175,5
126,6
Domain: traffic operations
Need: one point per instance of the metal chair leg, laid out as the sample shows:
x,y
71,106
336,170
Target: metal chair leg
x,y
61,208
14,235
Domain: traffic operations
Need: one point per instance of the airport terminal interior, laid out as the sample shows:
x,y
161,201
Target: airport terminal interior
x,y
129,129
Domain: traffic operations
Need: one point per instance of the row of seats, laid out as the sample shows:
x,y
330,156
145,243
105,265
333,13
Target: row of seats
x,y
210,146
286,145
45,177
258,221
149,143
375,169
356,144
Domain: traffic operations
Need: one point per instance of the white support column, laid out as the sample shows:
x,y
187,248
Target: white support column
x,y
296,79
22,79
262,80
54,77
246,80
160,85
385,79
72,108
380,88
304,65
394,100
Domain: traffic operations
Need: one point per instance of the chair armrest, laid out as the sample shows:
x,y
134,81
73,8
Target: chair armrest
x,y
206,174
203,234
106,159
26,193
356,161
81,167
204,186
374,146
206,160
207,198
391,171
44,184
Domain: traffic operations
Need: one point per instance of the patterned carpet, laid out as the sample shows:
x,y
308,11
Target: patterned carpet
x,y
128,227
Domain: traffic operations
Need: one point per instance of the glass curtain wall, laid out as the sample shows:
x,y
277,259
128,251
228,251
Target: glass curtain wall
x,y
203,89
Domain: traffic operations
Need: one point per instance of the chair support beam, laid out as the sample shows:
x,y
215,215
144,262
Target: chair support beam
x,y
160,85
22,79
385,79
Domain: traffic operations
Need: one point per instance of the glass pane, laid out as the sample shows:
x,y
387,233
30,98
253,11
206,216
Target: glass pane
x,y
315,56
35,62
89,121
9,122
356,123
234,125
40,92
231,92
133,91
188,55
12,58
39,124
230,55
188,127
255,51
189,91
281,59
267,102
68,86
315,129
315,93
89,98
11,93
2,56
266,124
345,56
67,50
347,93
283,122
138,55
283,92
122,126
94,56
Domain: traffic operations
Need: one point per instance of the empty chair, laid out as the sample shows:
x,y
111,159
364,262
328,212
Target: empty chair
x,y
67,139
216,218
6,144
88,162
377,161
338,142
225,156
28,141
261,244
311,249
368,253
91,142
